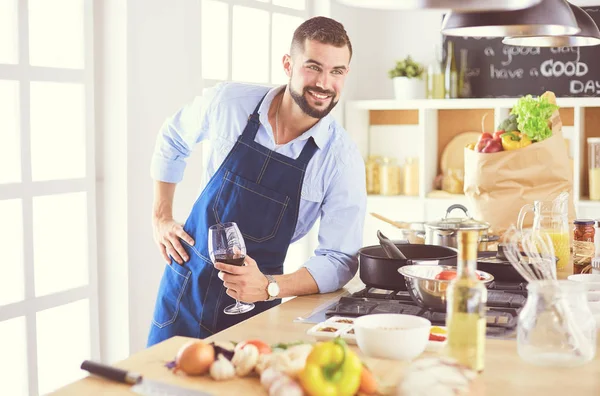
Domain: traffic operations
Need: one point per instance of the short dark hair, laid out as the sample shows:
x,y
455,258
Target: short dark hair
x,y
322,29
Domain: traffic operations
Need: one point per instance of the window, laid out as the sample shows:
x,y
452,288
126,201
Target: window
x,y
245,40
47,192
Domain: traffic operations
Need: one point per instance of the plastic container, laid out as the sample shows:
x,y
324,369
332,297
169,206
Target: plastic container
x,y
594,168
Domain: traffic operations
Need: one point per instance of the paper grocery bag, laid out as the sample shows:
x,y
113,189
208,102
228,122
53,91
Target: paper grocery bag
x,y
497,185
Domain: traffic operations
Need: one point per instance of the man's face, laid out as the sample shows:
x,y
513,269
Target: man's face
x,y
317,76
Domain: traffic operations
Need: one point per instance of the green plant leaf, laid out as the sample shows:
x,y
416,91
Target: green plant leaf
x,y
533,115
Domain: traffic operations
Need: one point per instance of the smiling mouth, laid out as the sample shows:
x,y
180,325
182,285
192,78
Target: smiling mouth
x,y
318,96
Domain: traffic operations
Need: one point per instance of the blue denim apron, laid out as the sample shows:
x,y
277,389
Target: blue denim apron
x,y
255,187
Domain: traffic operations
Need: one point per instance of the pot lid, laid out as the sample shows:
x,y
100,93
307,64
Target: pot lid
x,y
458,223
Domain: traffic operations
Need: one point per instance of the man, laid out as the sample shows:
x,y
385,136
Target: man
x,y
278,162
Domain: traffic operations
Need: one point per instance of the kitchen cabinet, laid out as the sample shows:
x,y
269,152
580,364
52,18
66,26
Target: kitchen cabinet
x,y
422,128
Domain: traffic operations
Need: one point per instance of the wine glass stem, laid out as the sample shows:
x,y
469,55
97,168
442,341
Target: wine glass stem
x,y
237,303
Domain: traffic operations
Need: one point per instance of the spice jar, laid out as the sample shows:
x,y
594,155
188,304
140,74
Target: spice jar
x,y
372,169
584,248
389,177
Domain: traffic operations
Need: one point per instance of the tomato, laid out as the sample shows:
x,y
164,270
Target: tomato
x,y
451,274
436,337
446,275
262,346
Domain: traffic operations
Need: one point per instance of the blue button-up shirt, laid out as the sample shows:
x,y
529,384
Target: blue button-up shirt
x,y
334,183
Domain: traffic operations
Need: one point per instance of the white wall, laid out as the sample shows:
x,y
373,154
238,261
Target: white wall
x,y
150,67
379,38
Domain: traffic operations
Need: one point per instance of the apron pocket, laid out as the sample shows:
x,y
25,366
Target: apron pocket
x,y
172,287
257,210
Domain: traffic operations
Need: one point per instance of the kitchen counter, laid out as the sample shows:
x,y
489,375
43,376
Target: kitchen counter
x,y
505,373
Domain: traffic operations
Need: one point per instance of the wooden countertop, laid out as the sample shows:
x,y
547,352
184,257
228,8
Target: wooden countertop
x,y
505,373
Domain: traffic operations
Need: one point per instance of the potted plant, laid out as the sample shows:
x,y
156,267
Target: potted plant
x,y
408,79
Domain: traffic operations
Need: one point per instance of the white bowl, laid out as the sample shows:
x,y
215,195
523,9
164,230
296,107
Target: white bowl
x,y
392,336
594,302
592,281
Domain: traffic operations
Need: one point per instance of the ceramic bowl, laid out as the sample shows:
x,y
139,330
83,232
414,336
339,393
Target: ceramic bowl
x,y
592,281
392,336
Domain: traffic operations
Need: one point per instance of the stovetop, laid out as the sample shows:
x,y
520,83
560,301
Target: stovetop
x,y
505,301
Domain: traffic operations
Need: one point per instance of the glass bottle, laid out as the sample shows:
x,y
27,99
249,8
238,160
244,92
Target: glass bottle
x,y
594,168
466,306
556,326
464,86
450,73
435,79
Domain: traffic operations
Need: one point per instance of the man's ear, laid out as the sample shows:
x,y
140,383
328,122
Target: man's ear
x,y
287,64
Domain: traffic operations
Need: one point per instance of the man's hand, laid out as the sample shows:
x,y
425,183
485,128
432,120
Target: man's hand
x,y
167,233
246,284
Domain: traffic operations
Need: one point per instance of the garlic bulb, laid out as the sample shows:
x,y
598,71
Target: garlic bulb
x,y
245,360
222,369
436,376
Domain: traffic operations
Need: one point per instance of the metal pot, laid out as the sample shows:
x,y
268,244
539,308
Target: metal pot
x,y
445,231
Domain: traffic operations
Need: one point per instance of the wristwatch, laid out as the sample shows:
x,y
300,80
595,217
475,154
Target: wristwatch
x,y
272,288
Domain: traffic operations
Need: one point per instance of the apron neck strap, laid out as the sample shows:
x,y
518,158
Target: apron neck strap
x,y
310,148
251,128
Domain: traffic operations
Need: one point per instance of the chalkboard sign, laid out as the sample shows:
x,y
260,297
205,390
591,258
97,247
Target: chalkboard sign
x,y
496,70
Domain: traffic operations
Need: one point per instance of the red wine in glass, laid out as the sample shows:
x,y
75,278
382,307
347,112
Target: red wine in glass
x,y
230,259
226,245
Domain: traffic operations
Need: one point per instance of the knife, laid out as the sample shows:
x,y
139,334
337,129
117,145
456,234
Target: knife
x,y
140,386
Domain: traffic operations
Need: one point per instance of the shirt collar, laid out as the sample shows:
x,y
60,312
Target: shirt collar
x,y
319,131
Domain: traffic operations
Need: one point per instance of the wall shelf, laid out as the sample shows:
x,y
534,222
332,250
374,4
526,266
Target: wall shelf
x,y
427,125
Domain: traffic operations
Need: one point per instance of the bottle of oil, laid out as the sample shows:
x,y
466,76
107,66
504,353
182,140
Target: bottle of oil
x,y
435,78
466,305
451,73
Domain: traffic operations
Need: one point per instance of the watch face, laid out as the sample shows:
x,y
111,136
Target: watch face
x,y
273,289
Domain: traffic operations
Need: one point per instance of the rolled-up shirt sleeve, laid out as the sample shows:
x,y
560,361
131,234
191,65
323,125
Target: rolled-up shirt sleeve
x,y
341,228
178,136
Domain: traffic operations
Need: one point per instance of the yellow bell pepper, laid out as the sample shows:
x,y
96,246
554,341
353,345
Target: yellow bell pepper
x,y
471,146
515,140
511,141
331,369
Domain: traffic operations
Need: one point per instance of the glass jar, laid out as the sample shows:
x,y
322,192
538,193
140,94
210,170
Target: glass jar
x,y
372,174
594,168
584,248
389,177
556,326
411,177
453,181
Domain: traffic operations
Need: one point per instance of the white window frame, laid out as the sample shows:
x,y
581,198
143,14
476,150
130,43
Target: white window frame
x,y
270,8
27,189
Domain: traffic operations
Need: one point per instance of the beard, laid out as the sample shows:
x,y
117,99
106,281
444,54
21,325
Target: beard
x,y
310,111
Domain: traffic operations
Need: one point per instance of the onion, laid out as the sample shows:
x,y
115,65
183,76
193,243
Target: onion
x,y
195,358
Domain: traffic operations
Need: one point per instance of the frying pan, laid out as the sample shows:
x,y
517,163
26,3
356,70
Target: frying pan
x,y
378,270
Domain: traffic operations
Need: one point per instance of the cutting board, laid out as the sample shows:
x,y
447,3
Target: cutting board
x,y
453,156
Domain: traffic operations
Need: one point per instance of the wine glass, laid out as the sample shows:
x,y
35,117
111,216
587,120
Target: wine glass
x,y
226,245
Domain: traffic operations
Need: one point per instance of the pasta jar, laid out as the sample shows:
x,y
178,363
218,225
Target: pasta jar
x,y
372,170
411,177
389,177
584,248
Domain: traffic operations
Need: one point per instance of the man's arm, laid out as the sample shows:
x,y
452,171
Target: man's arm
x,y
174,144
336,259
340,235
